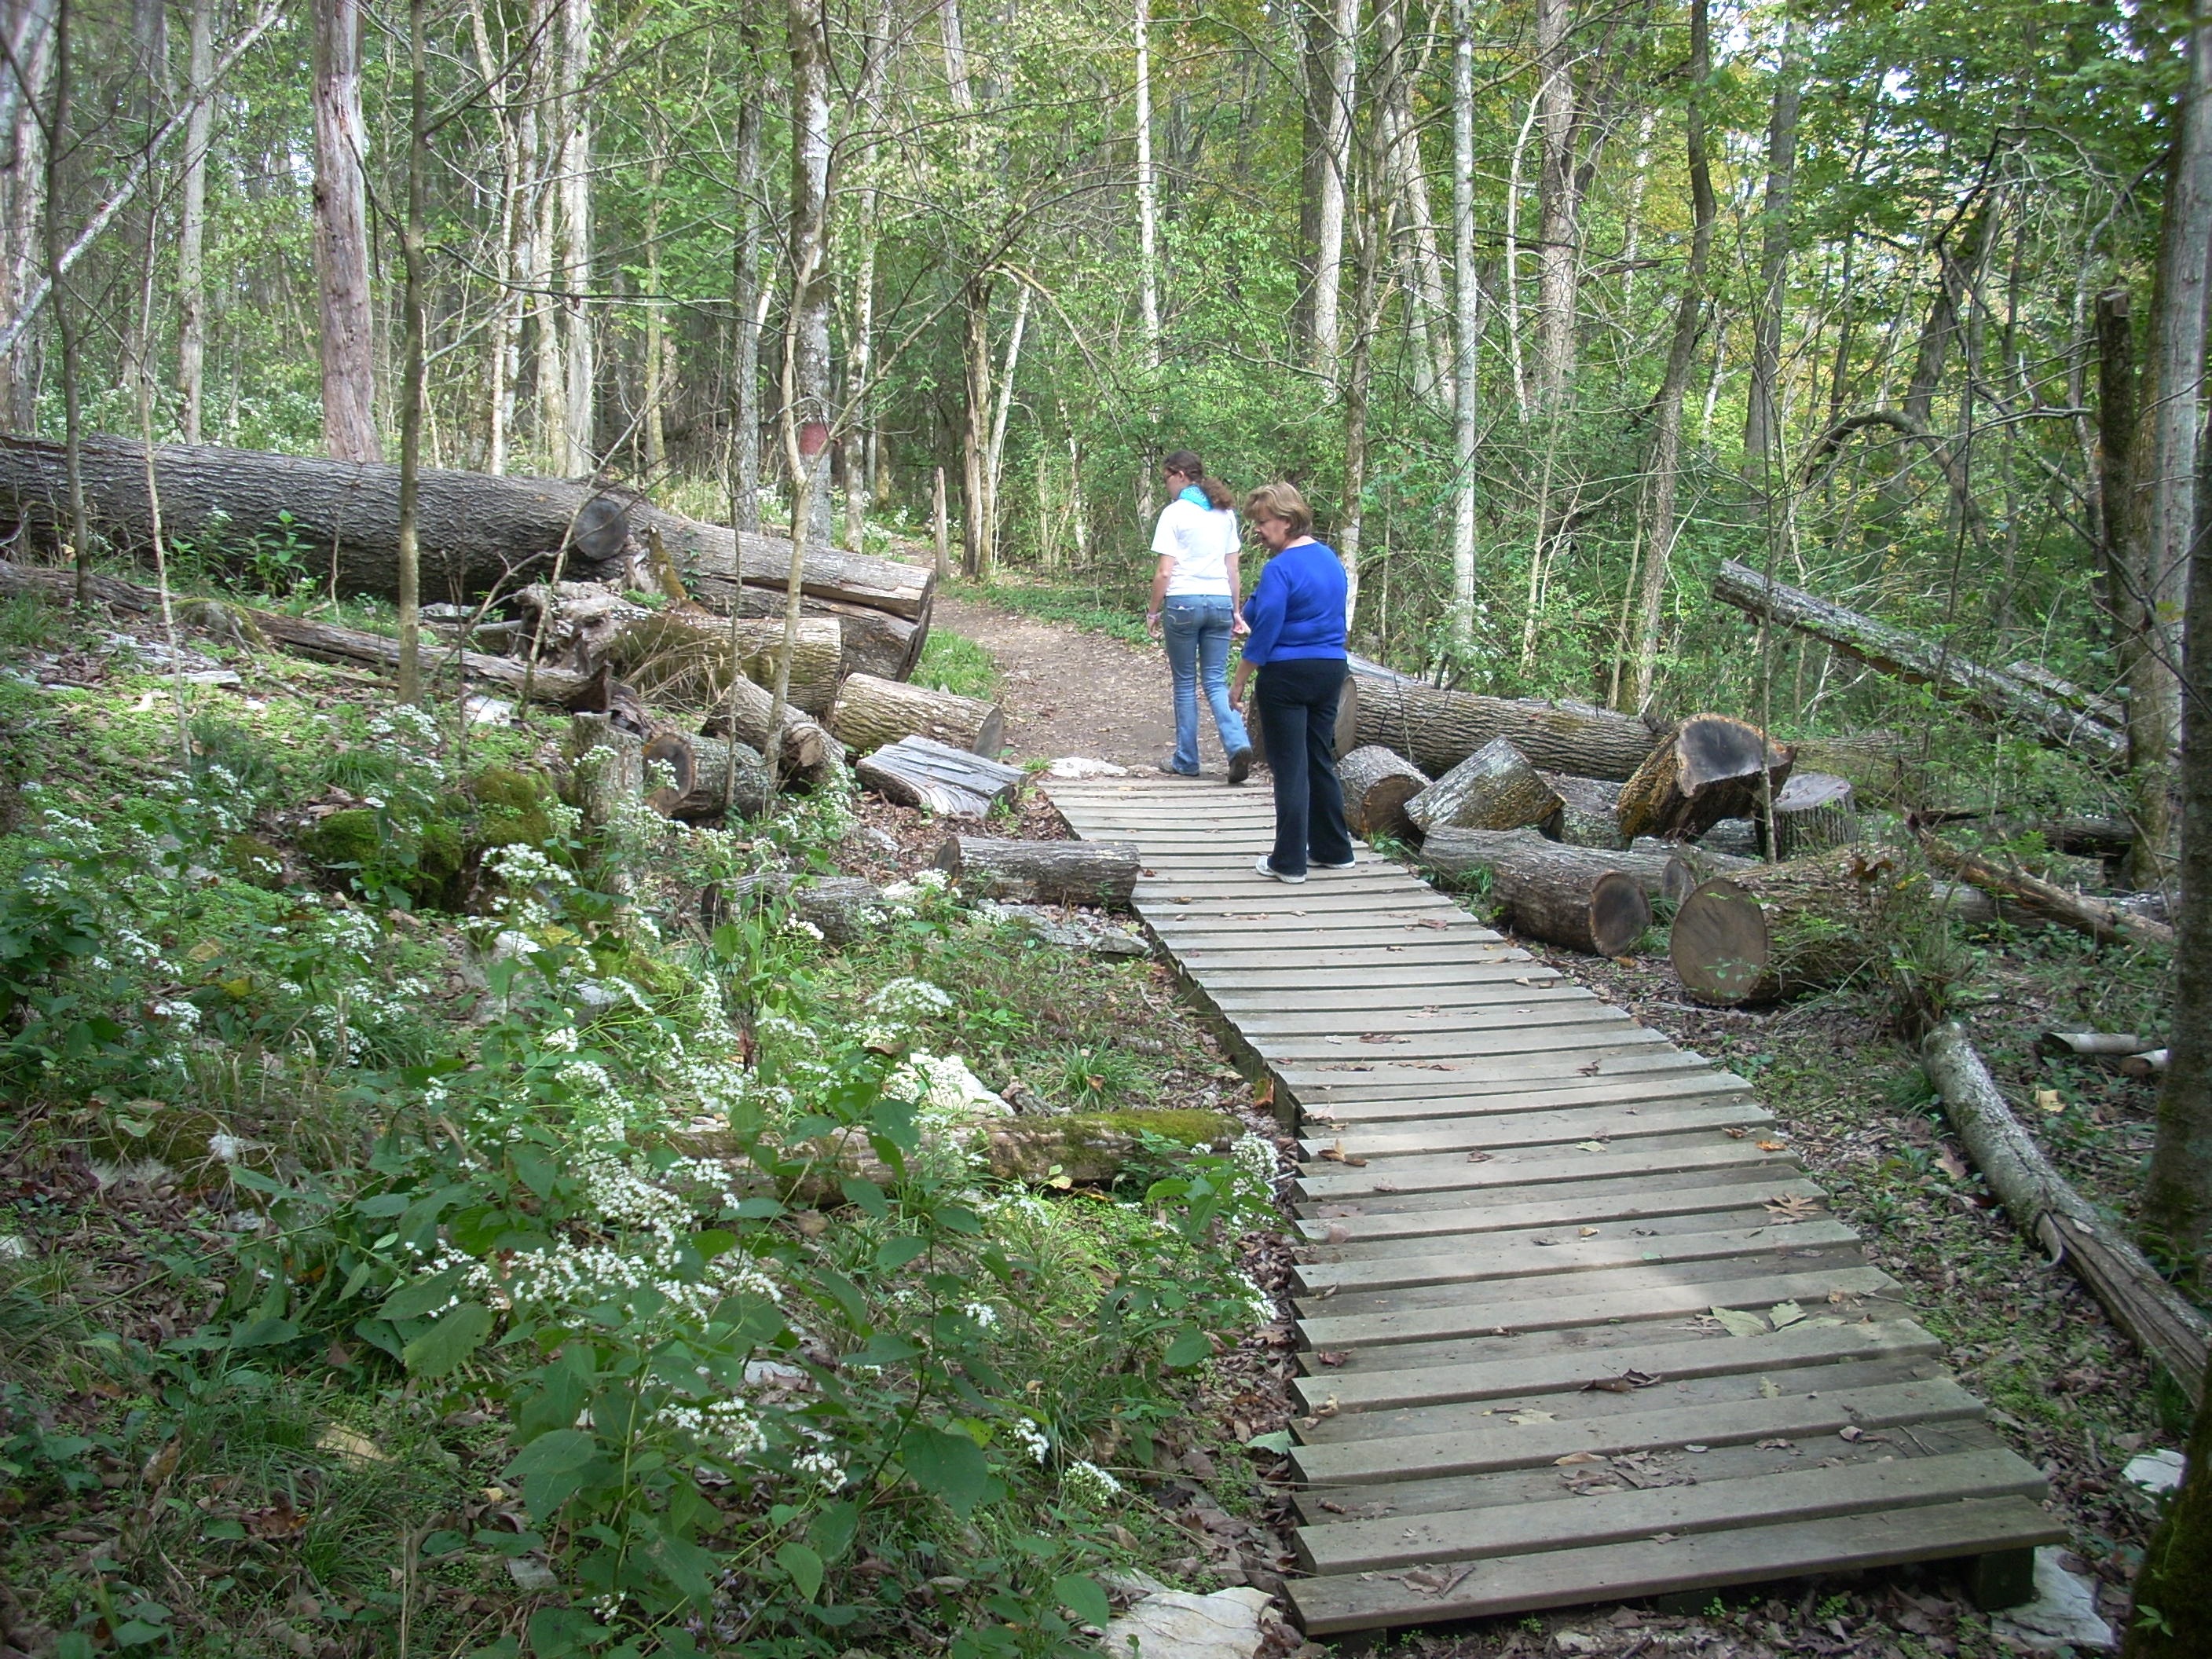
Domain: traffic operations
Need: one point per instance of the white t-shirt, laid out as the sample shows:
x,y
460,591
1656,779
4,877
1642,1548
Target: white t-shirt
x,y
1200,540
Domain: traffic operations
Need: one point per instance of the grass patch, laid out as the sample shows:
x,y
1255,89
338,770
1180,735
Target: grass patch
x,y
1107,604
953,662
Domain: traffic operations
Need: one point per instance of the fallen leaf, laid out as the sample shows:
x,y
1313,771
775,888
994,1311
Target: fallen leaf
x,y
1739,1324
1529,1415
1589,1232
1573,1458
2048,1099
280,1520
1338,1235
1590,1070
1383,1037
1785,1313
1591,1146
1478,1158
1435,1581
1850,1432
1953,1164
1777,1445
1767,1388
1735,1134
1332,1356
1336,1154
1794,1206
1543,1241
1697,1446
1773,1146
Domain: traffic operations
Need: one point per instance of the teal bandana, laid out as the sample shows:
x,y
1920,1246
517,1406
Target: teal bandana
x,y
1195,496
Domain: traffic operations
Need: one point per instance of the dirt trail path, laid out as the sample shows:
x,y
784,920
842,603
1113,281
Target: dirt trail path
x,y
1069,692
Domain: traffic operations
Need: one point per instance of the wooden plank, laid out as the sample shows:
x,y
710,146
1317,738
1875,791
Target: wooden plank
x,y
1534,1166
1681,1355
1400,1217
1625,1296
1324,906
1389,1108
1309,994
1527,1255
1505,1013
1339,1505
1502,972
1729,1207
1490,1131
1300,1076
1739,1555
1569,1523
1506,1445
1445,1170
1584,1040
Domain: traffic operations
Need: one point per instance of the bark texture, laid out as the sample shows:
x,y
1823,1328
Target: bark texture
x,y
1711,767
1767,932
1437,729
1813,811
870,713
1590,810
1379,782
1556,894
341,226
1493,788
2108,924
937,778
1102,874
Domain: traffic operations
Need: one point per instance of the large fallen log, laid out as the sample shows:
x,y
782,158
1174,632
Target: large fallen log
x,y
477,530
937,778
1437,729
1709,767
677,655
1564,895
1879,765
2107,924
1099,873
806,752
876,642
870,713
1590,810
2038,1199
1990,693
841,909
1377,783
1493,788
1771,931
1459,853
302,636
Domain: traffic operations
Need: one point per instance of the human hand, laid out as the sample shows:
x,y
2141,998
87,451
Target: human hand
x,y
1152,624
1238,627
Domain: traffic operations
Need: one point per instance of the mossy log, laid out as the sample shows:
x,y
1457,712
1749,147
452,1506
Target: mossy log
x,y
1377,783
1590,810
1437,729
871,713
1100,874
1710,767
844,909
1493,788
878,643
708,779
1766,931
679,655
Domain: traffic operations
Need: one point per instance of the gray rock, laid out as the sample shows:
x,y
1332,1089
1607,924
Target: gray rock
x,y
2062,1615
1070,930
1175,1625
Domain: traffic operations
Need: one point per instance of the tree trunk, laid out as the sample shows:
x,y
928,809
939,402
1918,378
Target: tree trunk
x,y
1663,466
681,655
1463,853
1590,810
1493,788
711,779
2172,1615
58,144
2107,924
745,295
1773,931
1467,320
413,391
807,353
870,713
1332,70
579,318
24,89
1437,729
1148,277
1994,696
1398,146
1762,428
1877,764
1369,234
975,430
349,347
1559,255
937,778
1813,813
1377,784
994,456
191,228
942,529
1710,767
859,418
146,100
1555,896
1102,874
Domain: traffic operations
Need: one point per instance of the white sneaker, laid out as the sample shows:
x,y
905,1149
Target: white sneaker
x,y
1324,864
1272,873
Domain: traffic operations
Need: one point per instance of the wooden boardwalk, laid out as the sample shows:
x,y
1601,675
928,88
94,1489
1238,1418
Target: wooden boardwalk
x,y
1526,1214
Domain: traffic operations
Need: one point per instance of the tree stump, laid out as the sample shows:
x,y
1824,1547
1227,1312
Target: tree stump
x,y
1559,893
1773,931
1590,810
936,778
1711,767
871,713
1734,838
1101,874
1437,729
1813,813
609,767
1377,784
1493,788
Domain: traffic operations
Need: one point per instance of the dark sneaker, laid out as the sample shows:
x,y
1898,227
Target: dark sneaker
x,y
1240,765
1175,771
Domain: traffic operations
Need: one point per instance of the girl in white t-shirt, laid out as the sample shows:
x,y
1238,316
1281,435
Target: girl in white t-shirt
x,y
1197,606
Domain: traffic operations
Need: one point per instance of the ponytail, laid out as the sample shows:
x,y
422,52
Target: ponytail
x,y
1186,462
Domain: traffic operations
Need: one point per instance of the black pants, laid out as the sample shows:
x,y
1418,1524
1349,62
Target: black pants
x,y
1296,700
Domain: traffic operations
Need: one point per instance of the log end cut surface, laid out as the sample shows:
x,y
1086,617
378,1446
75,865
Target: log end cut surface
x,y
1719,944
1520,1210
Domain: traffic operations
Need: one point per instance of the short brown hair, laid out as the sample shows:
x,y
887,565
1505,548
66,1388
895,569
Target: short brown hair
x,y
1279,501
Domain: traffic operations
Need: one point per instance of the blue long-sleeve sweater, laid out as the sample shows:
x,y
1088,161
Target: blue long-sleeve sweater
x,y
1297,609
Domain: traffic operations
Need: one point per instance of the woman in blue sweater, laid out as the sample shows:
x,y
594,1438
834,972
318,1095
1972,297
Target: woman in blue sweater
x,y
1295,614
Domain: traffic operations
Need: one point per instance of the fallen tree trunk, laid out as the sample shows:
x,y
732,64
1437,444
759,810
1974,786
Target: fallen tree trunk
x,y
2105,923
1101,874
871,713
2150,1063
1559,895
1994,695
878,642
1493,788
302,636
1377,783
1462,853
681,654
1437,729
713,778
1879,765
708,555
807,752
841,909
936,778
2080,835
1710,767
1590,810
1813,813
2114,1046
2038,1199
1766,931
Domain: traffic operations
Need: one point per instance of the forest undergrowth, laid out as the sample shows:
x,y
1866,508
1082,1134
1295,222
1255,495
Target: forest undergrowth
x,y
415,1239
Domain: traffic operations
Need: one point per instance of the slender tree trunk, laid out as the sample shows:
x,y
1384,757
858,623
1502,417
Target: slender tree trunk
x,y
995,467
30,26
744,301
1332,69
58,149
1370,236
1467,301
1559,260
808,322
2172,1615
548,371
148,95
1762,430
348,346
191,229
656,324
1408,185
503,337
860,420
412,355
975,431
1513,177
1664,466
1148,207
1632,232
579,452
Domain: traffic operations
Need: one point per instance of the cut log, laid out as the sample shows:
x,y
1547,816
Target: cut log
x,y
1710,767
843,909
1459,853
1734,838
1777,930
679,655
2105,923
1557,894
1690,867
1437,729
1590,810
710,557
875,641
1813,811
2110,1046
1493,788
320,641
937,778
809,754
1994,695
1880,766
1377,783
703,789
609,762
1101,874
2045,1206
2108,710
2150,1063
2080,834
871,712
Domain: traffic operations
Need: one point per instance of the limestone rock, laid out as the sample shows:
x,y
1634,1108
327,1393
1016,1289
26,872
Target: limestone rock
x,y
2062,1615
1175,1625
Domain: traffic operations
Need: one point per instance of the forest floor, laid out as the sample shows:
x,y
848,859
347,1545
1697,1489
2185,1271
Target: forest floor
x,y
2065,1387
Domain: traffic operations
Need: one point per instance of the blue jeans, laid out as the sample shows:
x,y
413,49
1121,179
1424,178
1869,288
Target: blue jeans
x,y
1196,629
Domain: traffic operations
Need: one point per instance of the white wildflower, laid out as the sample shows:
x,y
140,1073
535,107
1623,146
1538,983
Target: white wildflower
x,y
1086,1484
1033,1439
982,1313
